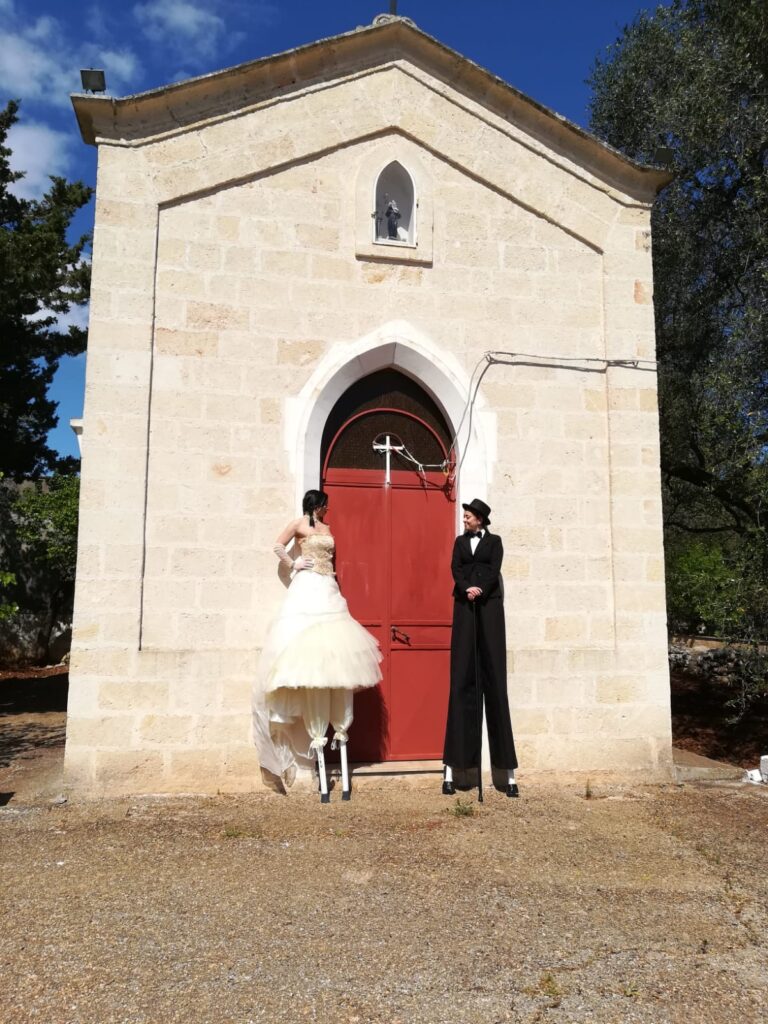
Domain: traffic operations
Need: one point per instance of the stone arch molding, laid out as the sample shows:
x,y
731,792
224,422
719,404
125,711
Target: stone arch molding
x,y
400,346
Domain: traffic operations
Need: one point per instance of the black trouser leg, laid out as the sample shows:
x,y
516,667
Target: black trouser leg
x,y
462,740
493,661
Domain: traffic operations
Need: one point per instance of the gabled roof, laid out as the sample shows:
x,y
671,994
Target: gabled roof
x,y
145,115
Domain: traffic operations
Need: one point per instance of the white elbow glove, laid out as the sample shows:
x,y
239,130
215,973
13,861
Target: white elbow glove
x,y
283,555
285,558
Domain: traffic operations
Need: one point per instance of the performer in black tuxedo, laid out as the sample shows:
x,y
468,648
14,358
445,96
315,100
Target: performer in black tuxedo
x,y
478,617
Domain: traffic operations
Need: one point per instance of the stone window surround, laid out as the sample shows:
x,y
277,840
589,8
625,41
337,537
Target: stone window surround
x,y
406,153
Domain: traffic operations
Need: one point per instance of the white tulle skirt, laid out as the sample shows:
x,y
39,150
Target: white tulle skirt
x,y
314,657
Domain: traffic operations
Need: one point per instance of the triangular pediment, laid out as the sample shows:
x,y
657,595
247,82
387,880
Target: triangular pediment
x,y
180,106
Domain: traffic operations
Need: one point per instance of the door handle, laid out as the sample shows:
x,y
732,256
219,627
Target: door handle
x,y
399,635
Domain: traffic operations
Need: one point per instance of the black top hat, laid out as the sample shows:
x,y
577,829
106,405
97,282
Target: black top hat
x,y
480,509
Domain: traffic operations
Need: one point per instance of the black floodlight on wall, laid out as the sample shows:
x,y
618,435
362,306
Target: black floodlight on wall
x,y
93,80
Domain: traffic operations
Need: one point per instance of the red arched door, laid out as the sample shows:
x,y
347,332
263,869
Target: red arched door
x,y
393,548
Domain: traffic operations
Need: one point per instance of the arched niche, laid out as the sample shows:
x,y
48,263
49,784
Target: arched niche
x,y
377,163
394,221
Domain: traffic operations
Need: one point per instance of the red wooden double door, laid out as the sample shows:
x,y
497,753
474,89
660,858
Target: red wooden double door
x,y
393,551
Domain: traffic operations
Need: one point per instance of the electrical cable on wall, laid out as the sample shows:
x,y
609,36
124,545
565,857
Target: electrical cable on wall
x,y
492,358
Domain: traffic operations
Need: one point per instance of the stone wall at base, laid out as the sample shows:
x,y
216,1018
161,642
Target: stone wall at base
x,y
180,722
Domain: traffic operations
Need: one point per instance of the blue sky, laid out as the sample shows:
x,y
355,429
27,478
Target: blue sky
x,y
545,49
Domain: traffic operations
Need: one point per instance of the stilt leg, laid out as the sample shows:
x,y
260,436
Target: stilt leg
x,y
448,787
324,795
479,696
346,793
341,719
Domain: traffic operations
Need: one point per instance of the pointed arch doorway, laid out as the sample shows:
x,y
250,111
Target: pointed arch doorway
x,y
394,539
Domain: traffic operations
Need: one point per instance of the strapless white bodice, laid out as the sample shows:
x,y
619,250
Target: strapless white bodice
x,y
320,547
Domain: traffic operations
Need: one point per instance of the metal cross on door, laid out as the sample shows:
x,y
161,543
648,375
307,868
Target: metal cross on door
x,y
387,447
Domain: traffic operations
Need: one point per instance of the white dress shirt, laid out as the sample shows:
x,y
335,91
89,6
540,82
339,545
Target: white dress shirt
x,y
474,541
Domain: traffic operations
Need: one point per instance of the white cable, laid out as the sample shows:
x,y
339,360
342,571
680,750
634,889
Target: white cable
x,y
492,357
630,363
404,453
455,438
505,359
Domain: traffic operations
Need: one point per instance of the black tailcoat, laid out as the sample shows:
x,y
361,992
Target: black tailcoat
x,y
480,621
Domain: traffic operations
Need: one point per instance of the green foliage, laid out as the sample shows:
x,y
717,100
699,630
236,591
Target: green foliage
x,y
46,517
717,588
462,808
41,276
693,77
38,547
7,608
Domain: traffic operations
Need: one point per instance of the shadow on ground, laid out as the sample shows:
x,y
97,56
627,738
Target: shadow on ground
x,y
702,721
32,714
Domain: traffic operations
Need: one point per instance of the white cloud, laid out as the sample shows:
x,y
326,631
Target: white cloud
x,y
183,25
123,68
76,317
96,21
39,151
37,62
44,28
29,69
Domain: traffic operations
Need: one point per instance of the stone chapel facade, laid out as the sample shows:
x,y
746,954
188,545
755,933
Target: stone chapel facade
x,y
247,273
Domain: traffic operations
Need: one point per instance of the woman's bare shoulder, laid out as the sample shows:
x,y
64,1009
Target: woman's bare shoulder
x,y
296,528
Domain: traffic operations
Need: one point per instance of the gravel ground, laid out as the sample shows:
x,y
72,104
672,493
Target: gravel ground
x,y
641,904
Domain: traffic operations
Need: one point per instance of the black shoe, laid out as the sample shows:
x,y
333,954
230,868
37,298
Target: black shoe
x,y
448,788
512,789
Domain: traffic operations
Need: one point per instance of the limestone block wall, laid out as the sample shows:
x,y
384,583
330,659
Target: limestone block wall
x,y
227,266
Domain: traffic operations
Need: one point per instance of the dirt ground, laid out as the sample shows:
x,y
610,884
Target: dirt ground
x,y
639,904
701,722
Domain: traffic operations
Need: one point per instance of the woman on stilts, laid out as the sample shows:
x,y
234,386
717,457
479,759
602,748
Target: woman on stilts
x,y
478,656
315,656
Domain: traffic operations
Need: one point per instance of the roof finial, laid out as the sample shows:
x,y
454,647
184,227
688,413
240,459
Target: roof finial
x,y
385,19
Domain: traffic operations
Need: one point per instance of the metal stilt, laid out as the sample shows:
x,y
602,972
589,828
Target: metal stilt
x,y
346,792
324,794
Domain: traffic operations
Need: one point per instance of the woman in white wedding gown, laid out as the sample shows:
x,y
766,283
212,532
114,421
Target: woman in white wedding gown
x,y
314,657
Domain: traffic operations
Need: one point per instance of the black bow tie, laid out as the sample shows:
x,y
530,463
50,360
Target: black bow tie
x,y
479,534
